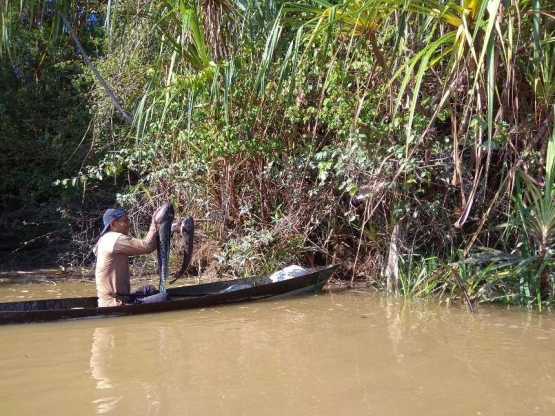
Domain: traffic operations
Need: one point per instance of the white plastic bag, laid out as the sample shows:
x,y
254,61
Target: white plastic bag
x,y
287,273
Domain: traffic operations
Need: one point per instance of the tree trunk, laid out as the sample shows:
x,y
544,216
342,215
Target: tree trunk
x,y
73,35
392,269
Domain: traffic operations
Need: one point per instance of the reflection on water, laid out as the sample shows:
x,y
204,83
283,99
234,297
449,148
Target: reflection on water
x,y
394,332
101,355
110,359
334,354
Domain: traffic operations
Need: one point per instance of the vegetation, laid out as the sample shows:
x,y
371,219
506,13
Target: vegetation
x,y
411,141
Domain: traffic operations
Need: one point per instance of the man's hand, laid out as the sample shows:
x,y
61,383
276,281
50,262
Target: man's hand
x,y
156,221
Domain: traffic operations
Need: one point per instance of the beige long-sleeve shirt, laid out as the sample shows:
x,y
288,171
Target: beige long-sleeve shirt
x,y
112,263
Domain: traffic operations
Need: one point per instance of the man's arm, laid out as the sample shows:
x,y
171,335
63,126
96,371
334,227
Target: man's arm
x,y
132,246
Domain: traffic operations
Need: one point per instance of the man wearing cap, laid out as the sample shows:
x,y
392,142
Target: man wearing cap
x,y
112,252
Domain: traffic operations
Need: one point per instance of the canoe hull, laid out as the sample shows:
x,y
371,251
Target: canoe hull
x,y
186,297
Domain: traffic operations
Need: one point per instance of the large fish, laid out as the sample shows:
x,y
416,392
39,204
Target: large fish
x,y
188,233
164,218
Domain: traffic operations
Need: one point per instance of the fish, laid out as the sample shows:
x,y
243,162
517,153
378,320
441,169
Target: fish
x,y
164,218
188,233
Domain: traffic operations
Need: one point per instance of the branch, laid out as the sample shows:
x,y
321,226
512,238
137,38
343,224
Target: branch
x,y
73,35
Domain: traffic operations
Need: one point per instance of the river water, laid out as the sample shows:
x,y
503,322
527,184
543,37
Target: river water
x,y
335,353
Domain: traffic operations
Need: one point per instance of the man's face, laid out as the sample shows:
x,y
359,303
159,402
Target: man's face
x,y
121,225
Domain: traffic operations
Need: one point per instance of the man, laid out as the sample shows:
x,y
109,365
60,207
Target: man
x,y
112,251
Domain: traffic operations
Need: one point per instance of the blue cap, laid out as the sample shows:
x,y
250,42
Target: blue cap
x,y
111,215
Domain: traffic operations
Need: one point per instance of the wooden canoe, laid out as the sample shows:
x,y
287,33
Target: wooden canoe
x,y
184,297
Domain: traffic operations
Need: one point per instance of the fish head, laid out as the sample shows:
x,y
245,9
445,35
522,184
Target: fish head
x,y
165,213
187,226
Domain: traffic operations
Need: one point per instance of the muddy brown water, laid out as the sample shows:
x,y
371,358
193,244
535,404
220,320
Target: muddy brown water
x,y
335,353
